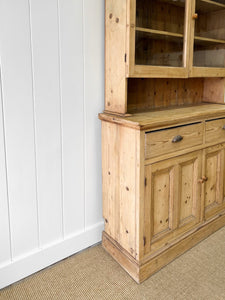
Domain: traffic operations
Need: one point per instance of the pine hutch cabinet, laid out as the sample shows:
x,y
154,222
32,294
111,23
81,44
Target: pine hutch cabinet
x,y
163,129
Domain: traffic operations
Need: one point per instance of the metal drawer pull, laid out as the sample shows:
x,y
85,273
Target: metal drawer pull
x,y
177,138
224,127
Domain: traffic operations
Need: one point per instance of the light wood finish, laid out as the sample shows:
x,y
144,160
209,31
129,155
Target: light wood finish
x,y
155,93
143,71
207,72
215,131
214,90
150,203
144,269
115,67
158,33
214,197
172,194
163,118
164,141
120,167
124,19
203,40
209,38
152,22
130,41
206,6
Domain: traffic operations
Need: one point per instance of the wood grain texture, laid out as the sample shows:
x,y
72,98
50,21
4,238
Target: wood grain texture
x,y
214,201
115,50
140,272
110,180
177,193
205,6
163,118
215,131
214,90
120,168
175,176
149,94
172,194
161,142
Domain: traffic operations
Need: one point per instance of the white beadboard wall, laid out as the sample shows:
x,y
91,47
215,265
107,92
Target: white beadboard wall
x,y
51,91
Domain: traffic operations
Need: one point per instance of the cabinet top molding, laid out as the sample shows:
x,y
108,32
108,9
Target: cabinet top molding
x,y
152,119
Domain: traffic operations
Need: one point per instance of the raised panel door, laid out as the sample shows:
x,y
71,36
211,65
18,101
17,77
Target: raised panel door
x,y
172,201
214,185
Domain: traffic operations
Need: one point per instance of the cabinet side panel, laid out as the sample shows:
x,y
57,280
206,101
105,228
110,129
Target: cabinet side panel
x,y
110,179
115,49
214,90
119,167
127,169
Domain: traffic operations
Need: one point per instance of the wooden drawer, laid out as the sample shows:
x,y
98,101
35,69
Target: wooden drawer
x,y
169,140
215,131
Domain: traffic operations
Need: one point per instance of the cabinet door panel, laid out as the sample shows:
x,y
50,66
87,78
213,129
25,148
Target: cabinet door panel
x,y
214,186
158,38
187,192
172,199
208,38
162,201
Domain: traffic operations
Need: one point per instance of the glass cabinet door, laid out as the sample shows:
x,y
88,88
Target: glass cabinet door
x,y
209,36
160,32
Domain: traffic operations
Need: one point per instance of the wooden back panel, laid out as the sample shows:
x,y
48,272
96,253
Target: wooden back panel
x,y
161,93
150,94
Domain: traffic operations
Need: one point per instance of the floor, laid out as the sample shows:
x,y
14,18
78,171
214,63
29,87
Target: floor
x,y
93,274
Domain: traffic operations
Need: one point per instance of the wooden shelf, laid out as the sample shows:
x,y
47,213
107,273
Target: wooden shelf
x,y
180,3
205,6
172,116
159,34
199,40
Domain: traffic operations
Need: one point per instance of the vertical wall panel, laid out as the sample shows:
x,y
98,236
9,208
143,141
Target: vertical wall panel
x,y
5,251
45,41
18,115
94,99
71,50
52,60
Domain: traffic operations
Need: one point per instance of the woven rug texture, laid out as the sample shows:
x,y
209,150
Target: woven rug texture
x,y
92,274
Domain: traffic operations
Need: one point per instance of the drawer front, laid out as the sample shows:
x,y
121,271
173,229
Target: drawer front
x,y
215,131
169,140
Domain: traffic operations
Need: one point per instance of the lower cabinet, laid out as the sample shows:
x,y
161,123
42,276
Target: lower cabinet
x,y
214,187
172,193
180,192
157,203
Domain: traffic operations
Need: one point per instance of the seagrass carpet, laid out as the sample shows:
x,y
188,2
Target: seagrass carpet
x,y
93,274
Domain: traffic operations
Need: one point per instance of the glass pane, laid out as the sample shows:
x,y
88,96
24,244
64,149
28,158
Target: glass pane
x,y
159,32
158,50
209,41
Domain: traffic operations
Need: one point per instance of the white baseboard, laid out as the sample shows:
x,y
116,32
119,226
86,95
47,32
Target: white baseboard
x,y
44,257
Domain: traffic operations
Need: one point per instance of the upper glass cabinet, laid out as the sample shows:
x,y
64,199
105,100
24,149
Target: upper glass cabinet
x,y
176,38
160,35
209,38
